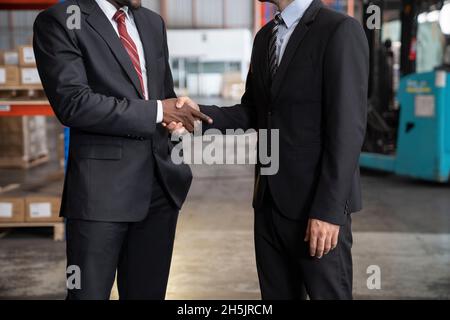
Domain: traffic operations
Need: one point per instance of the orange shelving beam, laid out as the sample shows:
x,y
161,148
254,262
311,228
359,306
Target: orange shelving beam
x,y
17,110
14,109
26,4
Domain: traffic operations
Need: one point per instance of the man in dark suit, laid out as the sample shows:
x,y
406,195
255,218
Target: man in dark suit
x,y
109,80
309,80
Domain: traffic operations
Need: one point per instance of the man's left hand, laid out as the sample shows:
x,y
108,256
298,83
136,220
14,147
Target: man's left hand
x,y
322,237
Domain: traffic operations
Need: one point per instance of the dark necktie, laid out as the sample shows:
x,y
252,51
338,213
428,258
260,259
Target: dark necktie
x,y
129,45
273,57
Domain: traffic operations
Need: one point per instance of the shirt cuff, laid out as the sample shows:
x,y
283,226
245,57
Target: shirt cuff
x,y
160,112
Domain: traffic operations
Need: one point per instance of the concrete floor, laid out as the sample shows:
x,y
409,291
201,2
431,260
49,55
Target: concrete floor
x,y
404,229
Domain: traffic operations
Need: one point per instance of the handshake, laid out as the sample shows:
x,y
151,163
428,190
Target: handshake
x,y
182,113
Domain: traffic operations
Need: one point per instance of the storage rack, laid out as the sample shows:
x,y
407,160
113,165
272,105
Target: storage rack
x,y
10,108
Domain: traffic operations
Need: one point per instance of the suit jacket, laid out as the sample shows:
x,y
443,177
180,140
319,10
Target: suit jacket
x,y
116,147
318,101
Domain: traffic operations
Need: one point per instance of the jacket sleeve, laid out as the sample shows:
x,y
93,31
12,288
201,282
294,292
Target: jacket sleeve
x,y
346,72
61,68
240,116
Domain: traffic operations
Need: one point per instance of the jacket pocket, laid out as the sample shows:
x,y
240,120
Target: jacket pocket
x,y
100,152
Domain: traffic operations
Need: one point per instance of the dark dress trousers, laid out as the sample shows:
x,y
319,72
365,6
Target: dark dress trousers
x,y
318,102
119,158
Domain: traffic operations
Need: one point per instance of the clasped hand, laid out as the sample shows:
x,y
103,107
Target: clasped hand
x,y
182,113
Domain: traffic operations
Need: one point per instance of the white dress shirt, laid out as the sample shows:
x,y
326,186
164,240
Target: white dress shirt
x,y
291,15
110,10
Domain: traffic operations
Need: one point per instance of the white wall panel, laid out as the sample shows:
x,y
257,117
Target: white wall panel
x,y
209,13
210,45
179,13
152,5
239,13
16,28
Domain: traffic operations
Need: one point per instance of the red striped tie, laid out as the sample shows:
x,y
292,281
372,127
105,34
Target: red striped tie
x,y
129,45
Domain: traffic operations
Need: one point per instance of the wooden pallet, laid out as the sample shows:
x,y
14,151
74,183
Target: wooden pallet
x,y
9,187
22,92
30,187
23,163
58,227
20,195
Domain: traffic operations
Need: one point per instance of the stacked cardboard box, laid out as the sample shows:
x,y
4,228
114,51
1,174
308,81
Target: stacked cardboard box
x,y
9,68
28,71
18,68
9,57
43,203
232,86
39,205
23,141
61,150
12,208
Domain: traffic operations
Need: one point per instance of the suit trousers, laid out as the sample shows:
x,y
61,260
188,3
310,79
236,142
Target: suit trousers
x,y
286,270
140,252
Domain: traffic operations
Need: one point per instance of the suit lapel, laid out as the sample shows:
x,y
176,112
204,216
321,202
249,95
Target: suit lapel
x,y
148,42
294,42
100,23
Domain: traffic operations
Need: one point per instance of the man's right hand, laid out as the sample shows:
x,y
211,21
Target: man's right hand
x,y
186,116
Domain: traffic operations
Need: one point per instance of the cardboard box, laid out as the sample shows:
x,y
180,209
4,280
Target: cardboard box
x,y
42,208
26,56
23,140
30,76
9,57
61,150
9,76
232,86
12,209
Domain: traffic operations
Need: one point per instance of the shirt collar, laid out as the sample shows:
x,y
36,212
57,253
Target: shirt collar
x,y
110,10
295,11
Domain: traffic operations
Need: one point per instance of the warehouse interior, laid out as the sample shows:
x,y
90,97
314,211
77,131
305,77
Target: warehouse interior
x,y
403,231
